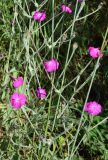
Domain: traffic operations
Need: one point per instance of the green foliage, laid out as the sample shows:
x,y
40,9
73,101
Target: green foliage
x,y
47,129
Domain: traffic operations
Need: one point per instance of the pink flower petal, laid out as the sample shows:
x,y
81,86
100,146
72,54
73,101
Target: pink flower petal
x,y
93,108
17,82
18,100
41,93
51,65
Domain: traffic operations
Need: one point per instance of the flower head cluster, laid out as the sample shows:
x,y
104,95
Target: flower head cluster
x,y
41,93
66,9
95,52
93,108
18,100
39,16
17,82
51,65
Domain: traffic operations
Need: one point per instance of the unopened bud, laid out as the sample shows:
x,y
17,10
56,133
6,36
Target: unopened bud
x,y
75,45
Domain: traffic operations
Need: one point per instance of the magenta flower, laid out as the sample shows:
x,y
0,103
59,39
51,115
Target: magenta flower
x,y
66,9
39,16
51,65
18,100
95,52
93,108
17,82
41,93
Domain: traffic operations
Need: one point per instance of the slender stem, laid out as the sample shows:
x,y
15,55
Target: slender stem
x,y
78,129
